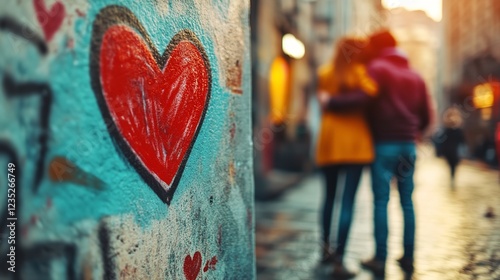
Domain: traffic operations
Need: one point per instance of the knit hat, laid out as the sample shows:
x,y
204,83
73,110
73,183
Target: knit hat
x,y
381,40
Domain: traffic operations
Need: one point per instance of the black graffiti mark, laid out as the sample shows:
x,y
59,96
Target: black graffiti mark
x,y
105,245
7,149
15,90
10,24
116,15
21,90
46,252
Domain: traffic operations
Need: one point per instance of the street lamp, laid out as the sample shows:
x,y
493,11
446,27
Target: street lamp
x,y
292,46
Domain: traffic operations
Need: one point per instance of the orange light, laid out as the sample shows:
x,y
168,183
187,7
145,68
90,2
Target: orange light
x,y
483,96
279,77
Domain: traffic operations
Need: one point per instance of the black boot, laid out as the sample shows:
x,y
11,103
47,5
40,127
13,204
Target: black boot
x,y
327,254
340,271
375,265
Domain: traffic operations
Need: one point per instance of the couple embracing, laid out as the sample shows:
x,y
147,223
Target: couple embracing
x,y
374,108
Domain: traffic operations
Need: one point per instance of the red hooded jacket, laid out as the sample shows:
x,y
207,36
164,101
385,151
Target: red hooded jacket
x,y
401,111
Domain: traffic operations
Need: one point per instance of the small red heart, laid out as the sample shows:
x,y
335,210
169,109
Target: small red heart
x,y
192,266
157,103
50,20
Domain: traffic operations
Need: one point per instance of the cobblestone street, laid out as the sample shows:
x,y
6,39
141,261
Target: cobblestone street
x,y
455,240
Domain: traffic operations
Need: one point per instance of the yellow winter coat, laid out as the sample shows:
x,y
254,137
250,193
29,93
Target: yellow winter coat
x,y
345,138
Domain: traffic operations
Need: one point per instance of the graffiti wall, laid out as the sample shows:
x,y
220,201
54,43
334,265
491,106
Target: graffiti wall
x,y
125,146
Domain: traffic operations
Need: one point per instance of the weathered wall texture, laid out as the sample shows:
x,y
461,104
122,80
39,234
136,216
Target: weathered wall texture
x,y
129,126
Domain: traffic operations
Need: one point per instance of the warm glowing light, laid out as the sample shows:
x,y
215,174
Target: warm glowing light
x,y
293,46
279,81
483,96
486,113
433,8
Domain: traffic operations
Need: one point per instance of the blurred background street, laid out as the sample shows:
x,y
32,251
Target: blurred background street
x,y
455,240
453,45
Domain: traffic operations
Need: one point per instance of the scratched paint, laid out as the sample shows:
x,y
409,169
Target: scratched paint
x,y
129,122
228,16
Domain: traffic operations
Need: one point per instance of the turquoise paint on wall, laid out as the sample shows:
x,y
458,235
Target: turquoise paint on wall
x,y
99,212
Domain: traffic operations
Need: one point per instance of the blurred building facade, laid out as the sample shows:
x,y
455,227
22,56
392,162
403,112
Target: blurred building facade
x,y
471,69
285,116
418,36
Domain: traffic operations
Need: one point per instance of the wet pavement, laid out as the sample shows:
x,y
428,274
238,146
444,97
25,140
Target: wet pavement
x,y
455,239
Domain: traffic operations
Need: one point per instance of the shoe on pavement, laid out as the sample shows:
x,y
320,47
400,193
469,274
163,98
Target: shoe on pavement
x,y
341,272
328,256
406,264
375,265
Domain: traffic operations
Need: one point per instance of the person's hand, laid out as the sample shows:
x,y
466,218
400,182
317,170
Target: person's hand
x,y
323,98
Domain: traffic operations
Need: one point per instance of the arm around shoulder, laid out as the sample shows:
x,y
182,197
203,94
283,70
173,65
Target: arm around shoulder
x,y
366,89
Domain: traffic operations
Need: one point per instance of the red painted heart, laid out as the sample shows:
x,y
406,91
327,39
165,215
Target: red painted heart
x,y
156,103
50,20
192,266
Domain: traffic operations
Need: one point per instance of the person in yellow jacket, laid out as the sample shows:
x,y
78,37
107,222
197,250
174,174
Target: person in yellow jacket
x,y
344,142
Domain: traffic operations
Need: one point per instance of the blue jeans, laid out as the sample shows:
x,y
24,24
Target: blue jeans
x,y
352,177
393,160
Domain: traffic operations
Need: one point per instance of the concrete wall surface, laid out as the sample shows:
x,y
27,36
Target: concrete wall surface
x,y
125,140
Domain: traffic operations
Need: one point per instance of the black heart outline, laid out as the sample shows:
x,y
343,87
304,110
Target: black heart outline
x,y
119,15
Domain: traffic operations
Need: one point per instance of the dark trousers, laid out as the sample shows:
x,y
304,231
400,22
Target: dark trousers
x,y
452,159
352,177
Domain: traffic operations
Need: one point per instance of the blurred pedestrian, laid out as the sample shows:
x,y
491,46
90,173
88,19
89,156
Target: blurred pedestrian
x,y
344,143
398,115
452,137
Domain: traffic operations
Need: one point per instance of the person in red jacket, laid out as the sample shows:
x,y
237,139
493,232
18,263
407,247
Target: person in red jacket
x,y
398,116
